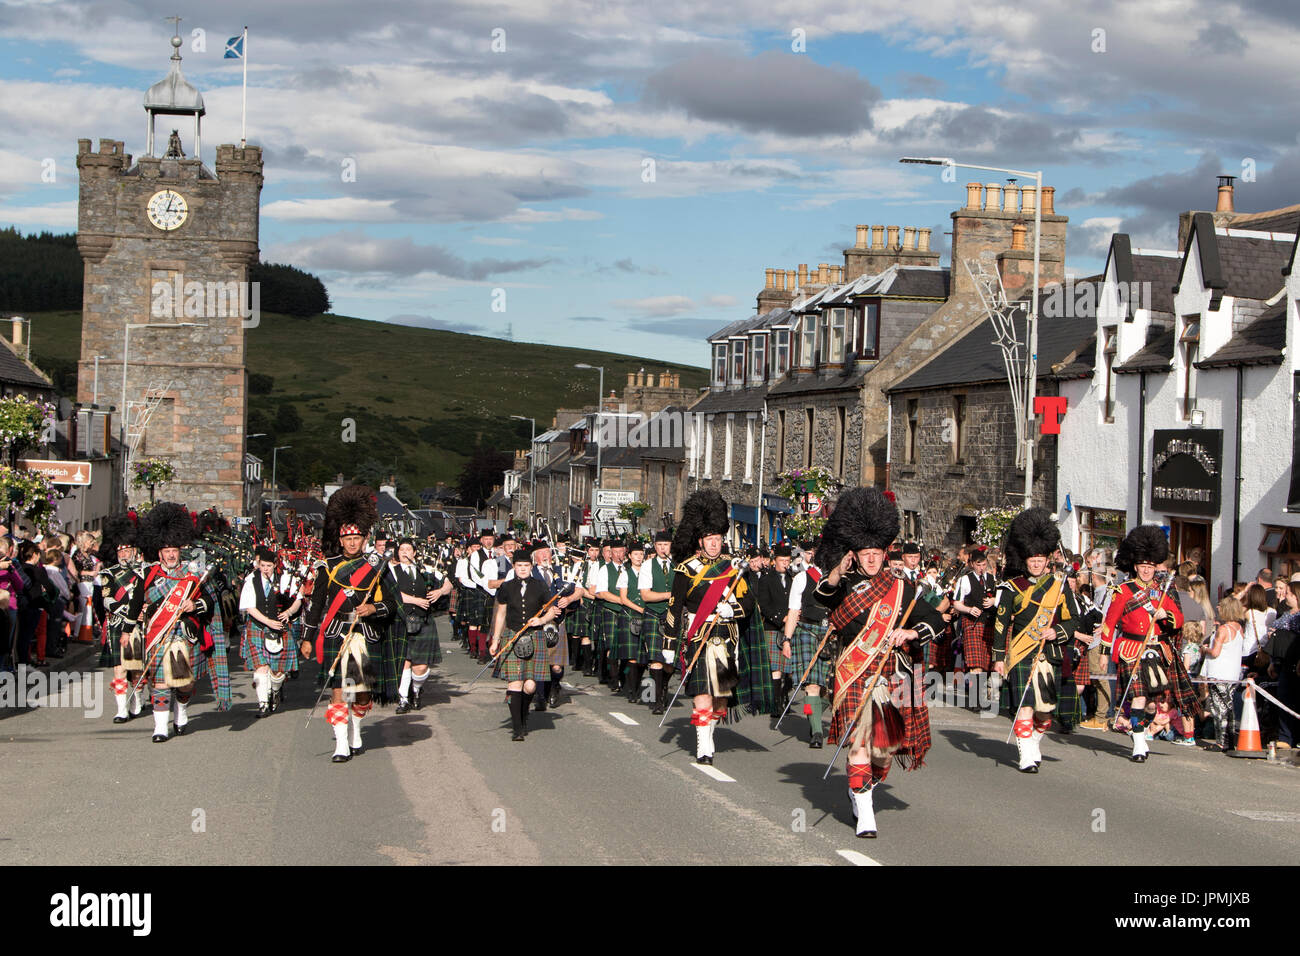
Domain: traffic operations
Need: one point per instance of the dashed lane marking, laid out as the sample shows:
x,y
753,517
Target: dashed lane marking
x,y
623,718
713,772
856,858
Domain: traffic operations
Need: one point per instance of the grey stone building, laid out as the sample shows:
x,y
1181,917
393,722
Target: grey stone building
x,y
167,243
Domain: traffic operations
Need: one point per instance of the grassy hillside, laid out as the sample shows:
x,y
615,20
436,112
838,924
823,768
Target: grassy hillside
x,y
421,399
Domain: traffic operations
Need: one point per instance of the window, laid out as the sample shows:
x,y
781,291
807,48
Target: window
x,y
758,358
693,444
1110,347
823,337
738,361
720,364
1190,343
913,420
749,450
780,352
958,429
808,342
810,420
841,434
912,525
867,345
835,347
1099,528
708,447
780,442
727,445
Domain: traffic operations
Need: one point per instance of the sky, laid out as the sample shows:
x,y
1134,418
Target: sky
x,y
619,175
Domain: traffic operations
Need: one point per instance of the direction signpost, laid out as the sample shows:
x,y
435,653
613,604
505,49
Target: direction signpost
x,y
60,472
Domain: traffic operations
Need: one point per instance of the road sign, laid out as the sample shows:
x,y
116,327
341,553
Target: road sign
x,y
612,499
814,504
60,472
606,514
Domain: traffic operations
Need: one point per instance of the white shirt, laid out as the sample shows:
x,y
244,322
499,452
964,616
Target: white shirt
x,y
645,580
482,568
600,582
1256,628
797,587
1227,666
248,596
462,572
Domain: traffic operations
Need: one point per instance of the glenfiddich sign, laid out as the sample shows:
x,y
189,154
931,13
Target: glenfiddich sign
x,y
1186,471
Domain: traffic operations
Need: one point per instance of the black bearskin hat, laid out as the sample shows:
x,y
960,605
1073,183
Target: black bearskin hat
x,y
703,514
350,505
166,525
863,518
1031,532
1146,542
118,530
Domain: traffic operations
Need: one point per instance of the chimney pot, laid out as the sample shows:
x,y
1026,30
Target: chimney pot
x,y
18,330
973,191
803,274
1010,198
1225,194
993,197
892,233
909,237
1018,236
631,379
769,284
923,240
861,241
877,237
1049,208
1027,199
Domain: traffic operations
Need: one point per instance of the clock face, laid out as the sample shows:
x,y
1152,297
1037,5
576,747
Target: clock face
x,y
168,209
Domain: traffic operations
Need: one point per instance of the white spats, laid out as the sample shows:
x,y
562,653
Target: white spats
x,y
262,685
341,748
864,813
404,690
1140,748
355,722
1036,741
121,703
137,705
1025,748
160,723
704,741
182,714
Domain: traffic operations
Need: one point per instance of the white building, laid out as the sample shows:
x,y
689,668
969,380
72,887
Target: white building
x,y
1188,418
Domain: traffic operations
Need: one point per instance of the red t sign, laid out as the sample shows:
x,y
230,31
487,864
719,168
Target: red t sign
x,y
1051,407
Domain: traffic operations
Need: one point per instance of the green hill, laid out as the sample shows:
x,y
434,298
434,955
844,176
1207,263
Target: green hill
x,y
421,399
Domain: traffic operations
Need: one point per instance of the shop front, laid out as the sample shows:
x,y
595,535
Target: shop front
x,y
1186,489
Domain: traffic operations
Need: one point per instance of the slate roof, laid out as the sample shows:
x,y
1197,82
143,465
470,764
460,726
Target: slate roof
x,y
976,358
1259,343
1080,363
1253,267
1156,356
1286,219
14,371
825,380
741,400
1162,273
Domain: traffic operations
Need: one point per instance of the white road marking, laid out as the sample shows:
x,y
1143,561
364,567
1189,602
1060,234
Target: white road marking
x,y
856,858
713,772
1269,816
623,718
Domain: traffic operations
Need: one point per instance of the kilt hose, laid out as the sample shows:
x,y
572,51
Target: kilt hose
x,y
624,645
1182,693
802,649
910,724
510,668
975,643
252,648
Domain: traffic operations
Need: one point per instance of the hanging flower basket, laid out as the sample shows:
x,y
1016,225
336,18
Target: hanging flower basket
x,y
151,472
991,525
800,485
31,494
23,421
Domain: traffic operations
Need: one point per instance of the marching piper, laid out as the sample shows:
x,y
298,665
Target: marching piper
x,y
806,624
518,613
414,633
264,645
116,584
655,583
772,595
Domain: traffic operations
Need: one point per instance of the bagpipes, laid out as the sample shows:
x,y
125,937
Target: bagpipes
x,y
705,631
1033,639
531,623
177,670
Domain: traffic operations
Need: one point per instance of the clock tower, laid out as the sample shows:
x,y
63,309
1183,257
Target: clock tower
x,y
167,243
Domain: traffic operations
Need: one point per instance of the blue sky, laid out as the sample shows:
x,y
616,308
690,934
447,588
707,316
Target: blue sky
x,y
523,169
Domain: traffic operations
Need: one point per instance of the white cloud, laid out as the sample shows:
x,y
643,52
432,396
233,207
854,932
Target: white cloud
x,y
658,305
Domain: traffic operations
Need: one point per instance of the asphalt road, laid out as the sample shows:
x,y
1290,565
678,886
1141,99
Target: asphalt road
x,y
597,782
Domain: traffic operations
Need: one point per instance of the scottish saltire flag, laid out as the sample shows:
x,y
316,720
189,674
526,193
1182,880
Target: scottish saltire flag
x,y
235,48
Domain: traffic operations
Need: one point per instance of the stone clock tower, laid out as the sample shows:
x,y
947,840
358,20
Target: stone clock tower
x,y
167,243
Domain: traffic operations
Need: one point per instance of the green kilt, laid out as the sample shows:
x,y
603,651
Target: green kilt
x,y
557,656
803,647
1013,686
581,620
422,648
773,637
376,674
747,656
603,633
623,644
652,635
510,668
477,606
252,648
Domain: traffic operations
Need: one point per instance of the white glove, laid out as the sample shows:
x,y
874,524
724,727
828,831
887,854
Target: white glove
x,y
668,656
725,612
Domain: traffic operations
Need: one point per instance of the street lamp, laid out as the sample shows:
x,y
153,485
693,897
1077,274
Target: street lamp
x,y
532,473
1032,385
275,486
126,351
600,405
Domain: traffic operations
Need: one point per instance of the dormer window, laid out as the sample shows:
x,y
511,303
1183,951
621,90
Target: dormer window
x,y
808,342
737,361
720,364
780,352
867,331
757,358
835,345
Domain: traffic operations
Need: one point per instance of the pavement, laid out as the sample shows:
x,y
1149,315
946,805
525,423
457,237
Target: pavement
x,y
598,782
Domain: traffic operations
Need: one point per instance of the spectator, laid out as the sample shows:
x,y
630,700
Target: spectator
x,y
1259,618
11,586
31,604
56,611
1223,668
1283,649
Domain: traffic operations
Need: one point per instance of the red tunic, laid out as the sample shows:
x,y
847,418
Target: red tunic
x,y
1128,619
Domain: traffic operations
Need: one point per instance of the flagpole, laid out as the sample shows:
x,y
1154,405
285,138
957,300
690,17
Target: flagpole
x,y
243,119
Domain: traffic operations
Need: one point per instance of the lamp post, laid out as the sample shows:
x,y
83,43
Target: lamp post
x,y
126,351
600,406
1032,384
532,473
275,486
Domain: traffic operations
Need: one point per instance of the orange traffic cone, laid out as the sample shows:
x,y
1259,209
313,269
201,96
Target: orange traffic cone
x,y
1248,740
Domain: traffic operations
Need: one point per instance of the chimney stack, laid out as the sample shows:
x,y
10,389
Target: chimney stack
x,y
1018,236
803,275
877,237
1225,194
993,197
1049,208
769,284
892,233
909,237
923,240
1027,199
861,241
973,191
18,331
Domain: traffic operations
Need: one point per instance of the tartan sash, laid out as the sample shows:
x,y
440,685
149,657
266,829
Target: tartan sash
x,y
1127,649
863,651
169,611
710,602
355,580
1024,642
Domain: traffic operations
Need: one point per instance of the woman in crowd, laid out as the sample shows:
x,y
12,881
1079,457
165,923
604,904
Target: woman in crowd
x,y
1283,651
1223,668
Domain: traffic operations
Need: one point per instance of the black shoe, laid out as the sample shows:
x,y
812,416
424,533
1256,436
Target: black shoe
x,y
816,742
518,736
415,698
868,835
277,699
706,760
357,751
553,698
340,758
1136,758
658,709
403,706
182,729
120,720
1032,768
263,710
160,738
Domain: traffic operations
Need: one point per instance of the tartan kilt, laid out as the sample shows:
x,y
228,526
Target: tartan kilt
x,y
1075,669
476,607
252,648
512,668
941,654
111,651
602,617
423,648
1017,679
557,656
802,649
697,682
916,720
975,642
773,637
156,675
1182,695
652,635
623,644
373,652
